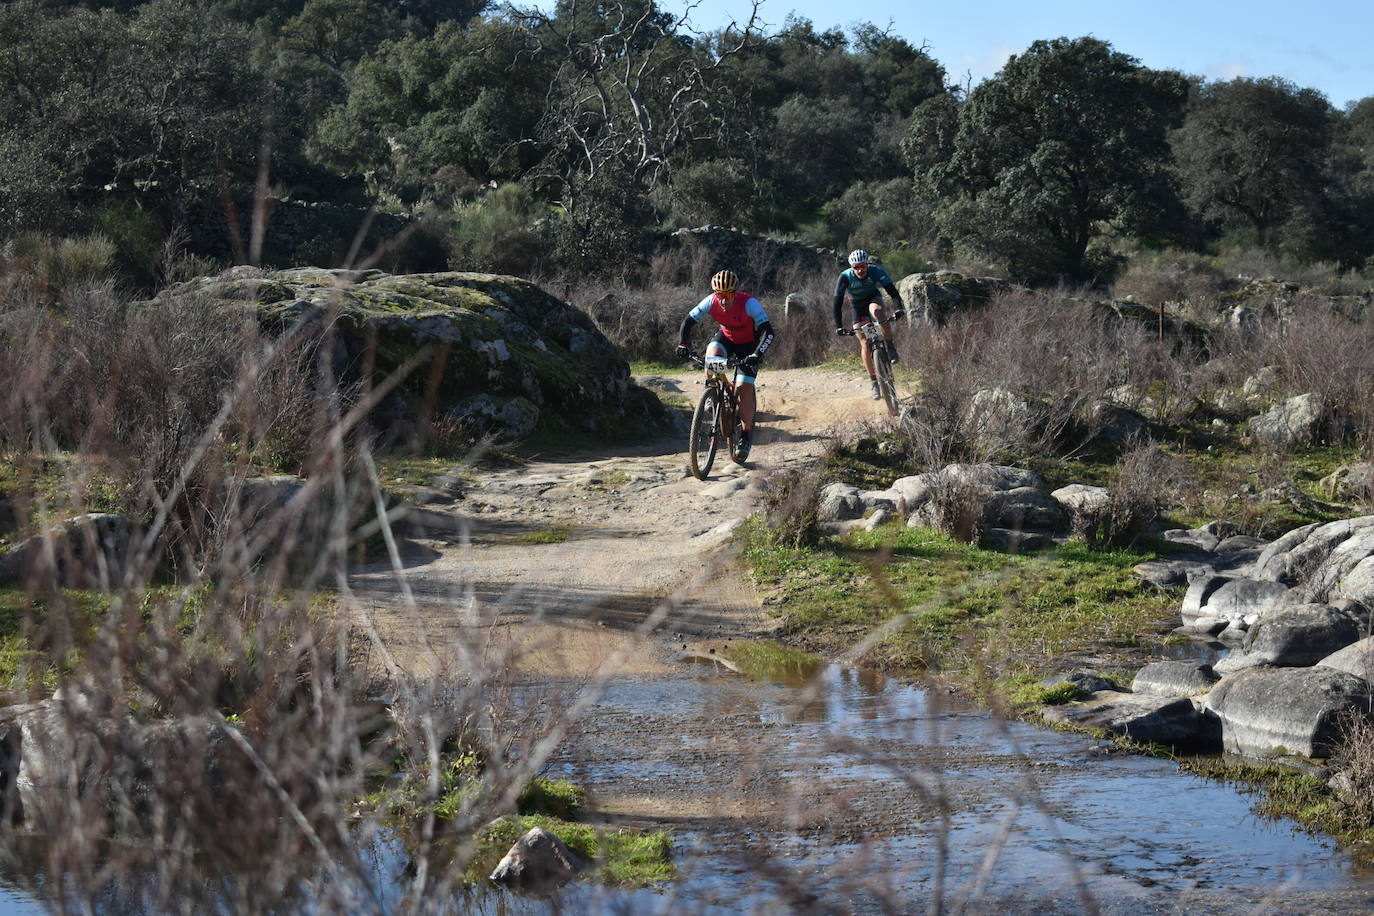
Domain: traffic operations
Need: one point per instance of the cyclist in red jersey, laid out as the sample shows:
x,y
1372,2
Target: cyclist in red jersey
x,y
745,333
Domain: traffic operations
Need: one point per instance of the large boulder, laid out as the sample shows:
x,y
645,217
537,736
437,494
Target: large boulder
x,y
1294,636
936,296
89,551
1277,712
989,495
991,476
1115,426
1295,422
1356,658
838,502
496,353
916,489
1024,507
1228,598
539,862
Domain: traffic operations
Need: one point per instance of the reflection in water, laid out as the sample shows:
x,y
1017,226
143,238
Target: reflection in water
x,y
856,774
867,791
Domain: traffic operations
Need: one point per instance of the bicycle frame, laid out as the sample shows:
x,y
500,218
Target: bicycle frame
x,y
717,366
725,424
871,333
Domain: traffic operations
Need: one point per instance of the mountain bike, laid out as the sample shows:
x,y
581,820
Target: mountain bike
x,y
872,331
716,418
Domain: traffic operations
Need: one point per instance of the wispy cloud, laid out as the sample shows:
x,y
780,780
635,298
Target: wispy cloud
x,y
985,62
1229,70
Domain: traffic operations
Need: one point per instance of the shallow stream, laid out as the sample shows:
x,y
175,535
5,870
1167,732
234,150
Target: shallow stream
x,y
890,793
847,791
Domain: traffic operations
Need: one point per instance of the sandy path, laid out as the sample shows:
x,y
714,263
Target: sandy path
x,y
639,532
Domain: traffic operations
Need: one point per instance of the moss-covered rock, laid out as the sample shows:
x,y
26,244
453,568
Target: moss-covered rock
x,y
478,348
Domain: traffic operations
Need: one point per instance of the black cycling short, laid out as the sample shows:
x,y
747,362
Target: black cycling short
x,y
737,350
861,312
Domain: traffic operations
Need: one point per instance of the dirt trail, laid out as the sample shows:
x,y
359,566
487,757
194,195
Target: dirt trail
x,y
851,783
637,529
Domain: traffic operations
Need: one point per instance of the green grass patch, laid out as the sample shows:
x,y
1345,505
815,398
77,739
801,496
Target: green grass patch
x,y
60,485
658,367
553,797
28,626
418,472
869,463
555,535
989,622
628,858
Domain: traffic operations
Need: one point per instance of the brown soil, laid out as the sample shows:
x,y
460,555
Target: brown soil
x,y
642,553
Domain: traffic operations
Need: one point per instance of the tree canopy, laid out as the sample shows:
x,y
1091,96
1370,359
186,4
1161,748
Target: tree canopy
x,y
615,119
1067,137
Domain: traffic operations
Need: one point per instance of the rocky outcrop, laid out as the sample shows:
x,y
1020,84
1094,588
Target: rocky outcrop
x,y
936,296
1006,507
490,353
1349,481
1293,636
1325,562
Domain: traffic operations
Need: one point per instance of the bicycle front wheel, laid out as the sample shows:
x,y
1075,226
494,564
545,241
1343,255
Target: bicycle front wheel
x,y
705,435
886,386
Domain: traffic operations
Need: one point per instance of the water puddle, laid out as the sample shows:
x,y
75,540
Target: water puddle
x,y
862,794
866,789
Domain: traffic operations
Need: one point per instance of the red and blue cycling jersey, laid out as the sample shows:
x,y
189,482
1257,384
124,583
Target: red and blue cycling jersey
x,y
739,317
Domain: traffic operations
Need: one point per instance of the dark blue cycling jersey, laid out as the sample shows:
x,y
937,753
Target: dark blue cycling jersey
x,y
863,290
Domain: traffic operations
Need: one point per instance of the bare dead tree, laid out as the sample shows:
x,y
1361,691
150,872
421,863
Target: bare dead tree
x,y
634,86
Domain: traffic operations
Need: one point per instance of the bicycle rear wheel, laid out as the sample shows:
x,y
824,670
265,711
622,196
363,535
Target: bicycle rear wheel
x,y
705,435
732,412
886,386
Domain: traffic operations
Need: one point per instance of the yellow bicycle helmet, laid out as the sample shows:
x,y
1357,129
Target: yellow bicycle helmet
x,y
725,282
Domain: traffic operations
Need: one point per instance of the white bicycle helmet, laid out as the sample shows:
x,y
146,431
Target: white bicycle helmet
x,y
858,256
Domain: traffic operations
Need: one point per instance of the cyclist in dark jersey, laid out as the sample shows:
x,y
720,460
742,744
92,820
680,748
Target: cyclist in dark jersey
x,y
860,285
745,333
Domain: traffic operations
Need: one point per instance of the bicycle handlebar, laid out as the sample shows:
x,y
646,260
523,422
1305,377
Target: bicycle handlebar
x,y
700,360
850,332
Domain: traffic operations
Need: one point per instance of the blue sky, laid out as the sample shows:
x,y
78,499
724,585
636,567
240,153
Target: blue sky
x,y
1323,44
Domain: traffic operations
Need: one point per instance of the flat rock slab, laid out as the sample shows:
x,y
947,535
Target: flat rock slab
x,y
1171,721
1175,679
1277,712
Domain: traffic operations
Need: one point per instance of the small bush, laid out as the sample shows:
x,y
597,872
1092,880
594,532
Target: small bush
x,y
1146,479
54,268
1178,277
956,506
790,502
1354,763
502,231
